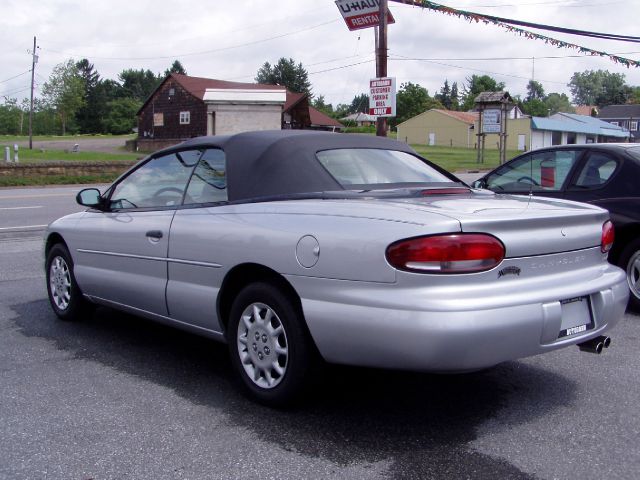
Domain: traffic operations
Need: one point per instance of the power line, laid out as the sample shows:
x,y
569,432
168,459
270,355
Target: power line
x,y
567,4
19,75
508,24
13,92
485,71
203,52
488,59
521,23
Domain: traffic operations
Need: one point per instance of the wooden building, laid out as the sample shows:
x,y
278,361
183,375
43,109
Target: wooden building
x,y
183,107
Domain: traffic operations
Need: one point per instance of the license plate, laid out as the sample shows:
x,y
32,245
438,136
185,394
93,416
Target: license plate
x,y
577,316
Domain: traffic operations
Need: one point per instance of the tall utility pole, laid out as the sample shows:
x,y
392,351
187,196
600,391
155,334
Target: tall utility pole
x,y
381,60
34,60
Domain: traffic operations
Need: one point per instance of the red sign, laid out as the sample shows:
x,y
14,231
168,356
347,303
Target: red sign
x,y
362,14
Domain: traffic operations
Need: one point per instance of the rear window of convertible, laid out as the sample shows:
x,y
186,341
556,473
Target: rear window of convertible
x,y
368,166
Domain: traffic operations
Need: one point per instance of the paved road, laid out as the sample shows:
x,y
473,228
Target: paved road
x,y
119,397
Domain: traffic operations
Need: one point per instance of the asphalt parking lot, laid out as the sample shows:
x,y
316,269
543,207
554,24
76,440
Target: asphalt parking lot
x,y
119,397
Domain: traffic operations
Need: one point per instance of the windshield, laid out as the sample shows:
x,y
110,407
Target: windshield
x,y
373,167
634,152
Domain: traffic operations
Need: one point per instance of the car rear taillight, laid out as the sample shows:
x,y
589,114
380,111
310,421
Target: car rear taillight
x,y
608,236
449,253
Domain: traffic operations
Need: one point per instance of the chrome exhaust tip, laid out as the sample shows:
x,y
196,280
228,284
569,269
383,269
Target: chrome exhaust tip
x,y
595,345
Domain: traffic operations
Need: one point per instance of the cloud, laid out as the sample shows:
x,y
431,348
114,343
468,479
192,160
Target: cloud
x,y
231,40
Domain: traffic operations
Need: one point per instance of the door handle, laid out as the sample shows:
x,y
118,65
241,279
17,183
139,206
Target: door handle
x,y
154,234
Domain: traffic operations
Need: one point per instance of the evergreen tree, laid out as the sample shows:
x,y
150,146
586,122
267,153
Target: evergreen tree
x,y
285,73
176,67
89,116
455,97
445,95
477,84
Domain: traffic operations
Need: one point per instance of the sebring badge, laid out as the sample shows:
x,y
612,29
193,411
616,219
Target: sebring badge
x,y
509,271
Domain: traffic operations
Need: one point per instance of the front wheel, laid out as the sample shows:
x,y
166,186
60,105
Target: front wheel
x,y
269,345
630,262
64,294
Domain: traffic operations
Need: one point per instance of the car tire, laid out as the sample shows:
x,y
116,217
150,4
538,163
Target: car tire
x,y
270,347
630,263
65,296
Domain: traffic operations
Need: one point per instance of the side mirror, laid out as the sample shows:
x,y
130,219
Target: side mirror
x,y
479,184
89,197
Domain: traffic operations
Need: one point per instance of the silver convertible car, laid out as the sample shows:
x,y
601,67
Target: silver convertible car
x,y
296,246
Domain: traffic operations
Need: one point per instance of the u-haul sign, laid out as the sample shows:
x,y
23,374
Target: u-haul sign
x,y
361,14
382,97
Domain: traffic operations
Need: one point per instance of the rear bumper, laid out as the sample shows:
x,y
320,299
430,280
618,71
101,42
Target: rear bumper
x,y
423,328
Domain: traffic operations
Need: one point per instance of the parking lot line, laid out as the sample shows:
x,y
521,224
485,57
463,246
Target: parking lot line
x,y
22,227
20,208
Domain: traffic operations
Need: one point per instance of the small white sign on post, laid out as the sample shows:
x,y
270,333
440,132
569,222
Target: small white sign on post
x,y
362,13
491,121
382,97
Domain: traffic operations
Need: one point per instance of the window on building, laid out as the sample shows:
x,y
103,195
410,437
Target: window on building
x,y
633,126
185,118
556,138
571,138
617,124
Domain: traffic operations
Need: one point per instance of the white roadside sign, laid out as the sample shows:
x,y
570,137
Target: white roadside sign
x,y
382,97
491,121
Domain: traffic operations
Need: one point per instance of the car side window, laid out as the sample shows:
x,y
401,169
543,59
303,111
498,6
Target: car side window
x,y
595,172
539,172
208,183
158,183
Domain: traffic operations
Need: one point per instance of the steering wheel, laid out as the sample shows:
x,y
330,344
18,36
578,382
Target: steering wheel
x,y
528,180
167,190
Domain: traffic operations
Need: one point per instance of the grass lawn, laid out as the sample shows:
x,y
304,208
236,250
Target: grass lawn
x,y
454,159
11,139
36,156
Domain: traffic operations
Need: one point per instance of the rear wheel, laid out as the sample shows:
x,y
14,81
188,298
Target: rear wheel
x,y
269,345
64,294
630,261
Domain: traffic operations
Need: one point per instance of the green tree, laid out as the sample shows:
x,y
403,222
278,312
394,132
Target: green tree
x,y
477,84
138,84
285,73
121,116
176,67
341,110
64,91
11,117
359,104
598,87
558,102
535,107
535,91
319,104
444,96
634,95
89,115
411,100
455,97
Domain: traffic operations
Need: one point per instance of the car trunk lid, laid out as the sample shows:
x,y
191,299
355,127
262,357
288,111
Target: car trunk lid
x,y
527,226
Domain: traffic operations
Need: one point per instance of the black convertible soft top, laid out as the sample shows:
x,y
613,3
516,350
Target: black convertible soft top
x,y
283,162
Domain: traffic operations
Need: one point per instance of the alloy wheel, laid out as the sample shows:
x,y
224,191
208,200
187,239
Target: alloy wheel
x,y
262,345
